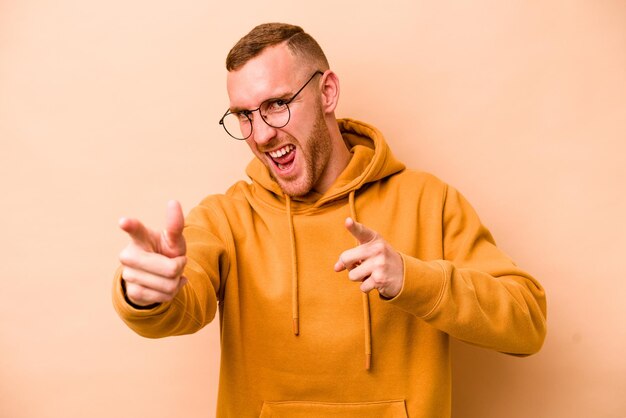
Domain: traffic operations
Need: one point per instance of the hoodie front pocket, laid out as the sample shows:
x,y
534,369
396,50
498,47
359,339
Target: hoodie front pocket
x,y
304,409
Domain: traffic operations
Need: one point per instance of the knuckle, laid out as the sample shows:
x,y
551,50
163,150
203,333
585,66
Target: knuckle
x,y
127,275
125,256
378,246
375,276
181,262
170,287
166,298
135,292
172,269
379,263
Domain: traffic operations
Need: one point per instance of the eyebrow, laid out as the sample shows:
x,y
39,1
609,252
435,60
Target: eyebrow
x,y
283,96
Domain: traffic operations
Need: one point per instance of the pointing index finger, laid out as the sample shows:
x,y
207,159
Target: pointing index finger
x,y
137,232
359,231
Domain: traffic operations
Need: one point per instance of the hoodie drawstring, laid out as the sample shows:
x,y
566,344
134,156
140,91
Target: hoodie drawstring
x,y
367,321
295,314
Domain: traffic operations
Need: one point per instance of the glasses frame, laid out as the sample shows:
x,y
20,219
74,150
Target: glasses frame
x,y
249,112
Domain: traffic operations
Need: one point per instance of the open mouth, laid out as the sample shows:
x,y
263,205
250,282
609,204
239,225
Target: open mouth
x,y
283,157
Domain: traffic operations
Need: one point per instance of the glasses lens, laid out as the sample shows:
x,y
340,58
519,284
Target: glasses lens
x,y
275,113
237,125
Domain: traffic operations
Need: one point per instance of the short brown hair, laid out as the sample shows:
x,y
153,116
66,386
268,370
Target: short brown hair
x,y
265,35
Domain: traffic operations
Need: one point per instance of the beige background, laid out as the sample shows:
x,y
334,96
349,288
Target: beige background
x,y
111,108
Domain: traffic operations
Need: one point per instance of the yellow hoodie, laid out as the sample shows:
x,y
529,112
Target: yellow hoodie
x,y
299,339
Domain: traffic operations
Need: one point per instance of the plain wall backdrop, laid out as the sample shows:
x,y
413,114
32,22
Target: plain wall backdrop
x,y
111,108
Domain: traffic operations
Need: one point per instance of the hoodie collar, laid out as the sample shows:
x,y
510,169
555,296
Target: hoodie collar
x,y
371,161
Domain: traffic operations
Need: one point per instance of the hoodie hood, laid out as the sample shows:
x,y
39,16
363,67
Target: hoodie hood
x,y
371,161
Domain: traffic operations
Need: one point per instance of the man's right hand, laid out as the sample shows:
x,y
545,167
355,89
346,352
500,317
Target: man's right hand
x,y
153,261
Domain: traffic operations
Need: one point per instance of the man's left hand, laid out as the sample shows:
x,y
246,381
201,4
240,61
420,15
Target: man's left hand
x,y
373,262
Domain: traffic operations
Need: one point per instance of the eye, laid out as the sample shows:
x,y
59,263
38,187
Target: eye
x,y
276,105
243,116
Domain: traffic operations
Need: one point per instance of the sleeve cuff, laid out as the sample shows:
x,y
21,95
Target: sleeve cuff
x,y
422,287
128,309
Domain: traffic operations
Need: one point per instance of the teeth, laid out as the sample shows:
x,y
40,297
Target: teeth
x,y
281,151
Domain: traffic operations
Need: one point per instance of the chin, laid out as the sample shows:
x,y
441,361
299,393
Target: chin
x,y
295,188
294,192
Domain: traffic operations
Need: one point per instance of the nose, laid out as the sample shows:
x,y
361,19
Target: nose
x,y
262,133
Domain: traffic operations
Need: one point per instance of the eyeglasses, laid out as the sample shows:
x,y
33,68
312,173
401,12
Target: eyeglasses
x,y
274,112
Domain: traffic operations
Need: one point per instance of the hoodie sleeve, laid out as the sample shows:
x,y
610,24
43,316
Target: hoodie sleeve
x,y
196,304
475,293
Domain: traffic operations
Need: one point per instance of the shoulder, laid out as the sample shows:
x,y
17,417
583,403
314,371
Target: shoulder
x,y
419,181
235,195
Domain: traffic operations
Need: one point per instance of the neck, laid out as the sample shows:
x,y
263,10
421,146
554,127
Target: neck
x,y
340,155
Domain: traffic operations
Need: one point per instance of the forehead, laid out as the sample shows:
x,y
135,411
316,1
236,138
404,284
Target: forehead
x,y
270,74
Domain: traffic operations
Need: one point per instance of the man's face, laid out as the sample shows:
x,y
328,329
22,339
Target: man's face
x,y
297,154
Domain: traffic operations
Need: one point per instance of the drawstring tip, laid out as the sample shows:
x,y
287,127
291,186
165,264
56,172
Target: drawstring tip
x,y
368,361
296,326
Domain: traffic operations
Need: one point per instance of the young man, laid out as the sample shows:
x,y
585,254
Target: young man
x,y
339,274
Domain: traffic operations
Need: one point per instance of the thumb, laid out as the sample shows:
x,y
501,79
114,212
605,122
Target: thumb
x,y
359,231
174,242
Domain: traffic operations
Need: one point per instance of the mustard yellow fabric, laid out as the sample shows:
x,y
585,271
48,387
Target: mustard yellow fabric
x,y
241,251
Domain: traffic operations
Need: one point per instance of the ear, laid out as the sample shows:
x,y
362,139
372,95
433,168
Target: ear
x,y
330,91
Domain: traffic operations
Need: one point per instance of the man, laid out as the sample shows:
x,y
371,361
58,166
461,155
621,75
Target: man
x,y
339,274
